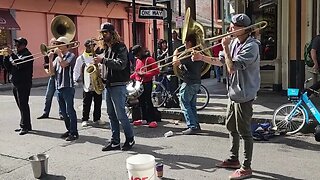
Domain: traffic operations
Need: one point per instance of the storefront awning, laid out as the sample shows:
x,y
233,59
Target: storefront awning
x,y
7,21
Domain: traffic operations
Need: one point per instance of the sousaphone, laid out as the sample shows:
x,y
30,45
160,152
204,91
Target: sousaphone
x,y
190,26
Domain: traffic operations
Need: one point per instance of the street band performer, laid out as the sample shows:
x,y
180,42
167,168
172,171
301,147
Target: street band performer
x,y
117,76
242,58
62,66
82,62
22,80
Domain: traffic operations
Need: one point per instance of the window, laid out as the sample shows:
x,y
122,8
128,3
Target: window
x,y
5,38
117,23
268,36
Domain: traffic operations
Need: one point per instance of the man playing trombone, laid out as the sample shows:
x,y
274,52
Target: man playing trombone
x,y
22,80
62,66
51,87
241,56
190,86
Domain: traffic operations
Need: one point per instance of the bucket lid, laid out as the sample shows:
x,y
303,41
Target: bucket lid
x,y
140,161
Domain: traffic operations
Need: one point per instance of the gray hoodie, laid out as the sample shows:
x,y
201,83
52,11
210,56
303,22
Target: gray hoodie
x,y
244,83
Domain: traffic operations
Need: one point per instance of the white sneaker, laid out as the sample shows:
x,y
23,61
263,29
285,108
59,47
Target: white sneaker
x,y
84,123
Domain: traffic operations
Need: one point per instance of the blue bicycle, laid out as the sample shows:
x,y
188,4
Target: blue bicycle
x,y
291,118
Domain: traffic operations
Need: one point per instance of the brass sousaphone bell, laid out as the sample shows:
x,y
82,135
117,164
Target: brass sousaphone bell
x,y
190,26
61,25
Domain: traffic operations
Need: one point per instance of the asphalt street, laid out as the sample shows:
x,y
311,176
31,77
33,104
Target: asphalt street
x,y
184,157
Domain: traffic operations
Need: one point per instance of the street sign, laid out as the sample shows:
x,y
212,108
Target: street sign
x,y
179,21
151,12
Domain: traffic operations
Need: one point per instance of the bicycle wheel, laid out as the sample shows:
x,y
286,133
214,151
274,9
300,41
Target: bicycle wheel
x,y
202,98
159,94
282,122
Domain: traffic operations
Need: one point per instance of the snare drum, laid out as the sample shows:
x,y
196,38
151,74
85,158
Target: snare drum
x,y
135,89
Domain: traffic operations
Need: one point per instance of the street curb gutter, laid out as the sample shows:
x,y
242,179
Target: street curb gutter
x,y
213,118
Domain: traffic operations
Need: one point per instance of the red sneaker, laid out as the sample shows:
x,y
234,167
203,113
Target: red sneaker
x,y
137,122
153,124
229,164
241,173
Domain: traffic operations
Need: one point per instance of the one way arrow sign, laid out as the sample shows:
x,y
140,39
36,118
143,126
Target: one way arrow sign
x,y
151,12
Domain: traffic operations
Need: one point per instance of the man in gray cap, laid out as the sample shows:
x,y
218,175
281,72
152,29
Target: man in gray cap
x,y
241,56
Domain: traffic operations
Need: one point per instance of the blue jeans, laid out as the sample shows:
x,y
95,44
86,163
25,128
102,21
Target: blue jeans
x,y
218,70
188,102
116,99
65,99
51,89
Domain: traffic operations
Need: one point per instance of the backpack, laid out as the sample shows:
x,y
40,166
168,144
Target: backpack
x,y
307,54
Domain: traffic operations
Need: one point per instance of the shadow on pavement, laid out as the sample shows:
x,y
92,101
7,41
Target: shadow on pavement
x,y
296,143
82,138
274,176
176,161
53,177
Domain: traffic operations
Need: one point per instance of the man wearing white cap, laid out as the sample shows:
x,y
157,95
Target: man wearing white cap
x,y
63,68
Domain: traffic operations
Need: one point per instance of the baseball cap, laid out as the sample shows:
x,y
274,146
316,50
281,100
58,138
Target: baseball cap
x,y
21,41
89,42
63,39
106,27
241,20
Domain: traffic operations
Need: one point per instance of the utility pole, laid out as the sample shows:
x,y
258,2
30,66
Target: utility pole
x,y
155,33
134,37
169,21
298,73
212,18
180,16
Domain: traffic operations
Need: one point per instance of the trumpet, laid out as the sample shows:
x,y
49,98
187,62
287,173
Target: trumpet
x,y
4,51
189,52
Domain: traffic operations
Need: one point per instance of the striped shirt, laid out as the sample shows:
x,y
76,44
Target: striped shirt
x,y
64,76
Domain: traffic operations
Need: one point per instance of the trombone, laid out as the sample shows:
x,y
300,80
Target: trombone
x,y
45,50
189,52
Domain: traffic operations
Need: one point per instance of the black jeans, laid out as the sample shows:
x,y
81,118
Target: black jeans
x,y
145,102
87,100
21,95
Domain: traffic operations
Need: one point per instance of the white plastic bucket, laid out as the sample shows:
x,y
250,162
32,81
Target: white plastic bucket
x,y
141,167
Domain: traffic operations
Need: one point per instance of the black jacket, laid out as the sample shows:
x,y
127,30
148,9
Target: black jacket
x,y
22,73
117,64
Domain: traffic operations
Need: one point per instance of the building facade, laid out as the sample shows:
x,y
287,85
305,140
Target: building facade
x,y
281,66
34,20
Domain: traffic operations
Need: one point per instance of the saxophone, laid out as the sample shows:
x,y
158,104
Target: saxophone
x,y
94,72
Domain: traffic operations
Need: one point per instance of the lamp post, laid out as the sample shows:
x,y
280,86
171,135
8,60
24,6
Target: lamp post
x,y
134,34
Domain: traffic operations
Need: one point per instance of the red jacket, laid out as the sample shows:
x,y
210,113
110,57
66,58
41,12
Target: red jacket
x,y
148,76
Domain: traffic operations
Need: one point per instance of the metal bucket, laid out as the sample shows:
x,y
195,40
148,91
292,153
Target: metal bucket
x,y
39,165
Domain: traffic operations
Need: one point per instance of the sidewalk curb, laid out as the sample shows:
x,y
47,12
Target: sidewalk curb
x,y
35,83
211,118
